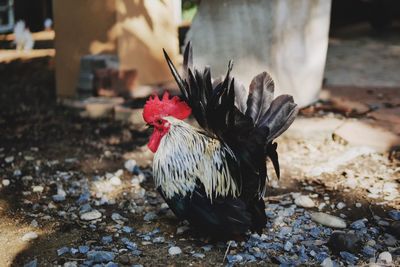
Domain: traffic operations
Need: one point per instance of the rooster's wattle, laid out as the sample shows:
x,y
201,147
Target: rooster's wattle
x,y
215,177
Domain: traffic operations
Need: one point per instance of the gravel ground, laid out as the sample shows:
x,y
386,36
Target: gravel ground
x,y
79,192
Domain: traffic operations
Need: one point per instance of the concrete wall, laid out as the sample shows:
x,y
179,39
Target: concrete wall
x,y
79,26
135,30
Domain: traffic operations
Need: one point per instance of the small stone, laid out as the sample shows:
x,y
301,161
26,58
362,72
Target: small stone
x,y
150,216
6,182
83,249
106,239
321,206
115,180
383,223
207,247
91,215
304,201
118,218
385,257
37,189
58,198
34,223
394,214
198,255
164,206
328,220
33,263
62,251
358,205
234,258
135,181
327,262
390,240
359,224
85,208
29,236
127,229
130,165
158,240
370,252
9,159
100,256
174,251
70,264
74,251
341,241
288,246
341,205
348,257
182,229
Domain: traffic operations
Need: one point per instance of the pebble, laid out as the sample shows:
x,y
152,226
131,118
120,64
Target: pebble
x,y
164,206
150,216
158,240
385,257
198,255
29,236
70,264
130,165
288,246
234,258
390,240
58,198
359,224
207,247
342,241
37,189
327,262
115,180
83,249
6,182
182,229
348,257
106,239
304,201
9,159
174,251
34,223
100,256
394,214
358,205
328,220
341,205
33,263
91,215
127,229
118,218
62,251
369,251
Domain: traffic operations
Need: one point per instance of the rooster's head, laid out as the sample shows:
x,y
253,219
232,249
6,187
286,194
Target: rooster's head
x,y
154,113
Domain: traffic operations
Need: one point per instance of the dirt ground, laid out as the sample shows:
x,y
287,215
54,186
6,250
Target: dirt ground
x,y
45,148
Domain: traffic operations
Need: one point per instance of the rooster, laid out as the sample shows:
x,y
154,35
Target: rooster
x,y
214,176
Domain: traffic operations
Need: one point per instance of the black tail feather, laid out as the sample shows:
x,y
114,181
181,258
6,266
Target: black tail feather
x,y
279,116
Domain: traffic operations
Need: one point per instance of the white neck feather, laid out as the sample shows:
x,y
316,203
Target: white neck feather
x,y
185,156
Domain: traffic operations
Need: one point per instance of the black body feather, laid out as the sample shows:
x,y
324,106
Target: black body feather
x,y
247,122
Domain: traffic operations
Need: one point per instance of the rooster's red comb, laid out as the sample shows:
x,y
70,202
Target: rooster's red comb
x,y
155,108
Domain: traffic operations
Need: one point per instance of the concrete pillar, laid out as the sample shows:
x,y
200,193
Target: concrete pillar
x,y
287,38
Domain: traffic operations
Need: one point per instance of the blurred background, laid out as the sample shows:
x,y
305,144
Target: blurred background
x,y
74,76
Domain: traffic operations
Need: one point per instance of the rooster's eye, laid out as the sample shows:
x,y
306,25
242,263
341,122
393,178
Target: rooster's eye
x,y
159,122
